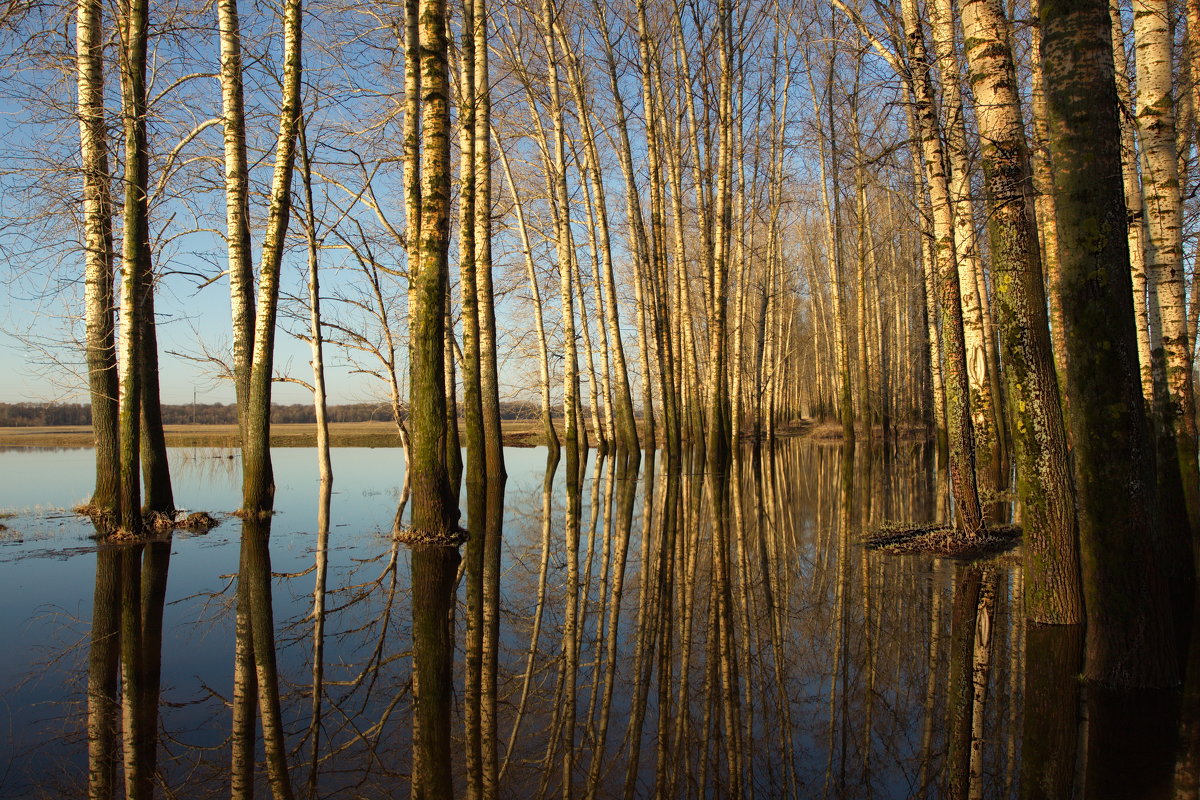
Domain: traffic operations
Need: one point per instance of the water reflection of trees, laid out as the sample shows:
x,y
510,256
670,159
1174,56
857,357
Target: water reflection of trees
x,y
746,644
640,628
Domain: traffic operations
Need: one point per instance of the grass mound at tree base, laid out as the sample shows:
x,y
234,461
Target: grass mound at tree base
x,y
939,539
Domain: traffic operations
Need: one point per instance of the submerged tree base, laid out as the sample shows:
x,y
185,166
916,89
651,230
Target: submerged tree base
x,y
415,537
153,523
937,538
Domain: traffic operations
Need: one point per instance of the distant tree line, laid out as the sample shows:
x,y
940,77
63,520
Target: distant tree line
x,y
24,415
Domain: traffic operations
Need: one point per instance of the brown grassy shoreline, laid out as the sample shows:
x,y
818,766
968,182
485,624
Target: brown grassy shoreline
x,y
518,433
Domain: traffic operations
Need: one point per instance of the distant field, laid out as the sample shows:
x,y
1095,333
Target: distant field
x,y
525,433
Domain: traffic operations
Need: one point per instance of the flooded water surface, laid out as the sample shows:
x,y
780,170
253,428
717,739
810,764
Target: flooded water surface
x,y
641,630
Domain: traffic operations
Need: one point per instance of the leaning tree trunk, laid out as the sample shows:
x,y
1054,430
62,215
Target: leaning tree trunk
x,y
316,338
1036,423
1129,636
99,302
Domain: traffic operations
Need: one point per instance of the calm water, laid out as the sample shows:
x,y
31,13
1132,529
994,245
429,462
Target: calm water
x,y
660,633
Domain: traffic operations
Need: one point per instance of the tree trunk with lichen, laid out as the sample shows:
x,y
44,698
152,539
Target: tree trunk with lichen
x,y
434,510
1036,421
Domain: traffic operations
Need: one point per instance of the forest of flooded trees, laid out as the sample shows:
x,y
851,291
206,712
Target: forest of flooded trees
x,y
955,236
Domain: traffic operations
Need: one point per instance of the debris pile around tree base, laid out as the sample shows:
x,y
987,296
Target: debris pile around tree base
x,y
155,523
195,522
414,537
940,539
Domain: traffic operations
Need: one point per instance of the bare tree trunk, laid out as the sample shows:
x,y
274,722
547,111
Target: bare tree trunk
x,y
316,340
434,512
1133,203
133,24
237,204
1043,185
1124,593
489,381
258,482
156,470
549,434
564,240
1176,411
984,403
99,302
1039,435
958,417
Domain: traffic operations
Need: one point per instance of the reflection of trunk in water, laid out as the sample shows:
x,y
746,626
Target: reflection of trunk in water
x,y
102,677
839,672
552,459
769,508
1187,766
981,664
931,687
643,645
434,571
971,645
256,671
126,640
960,700
473,650
569,663
493,533
1050,733
690,512
722,600
666,581
628,464
318,615
606,531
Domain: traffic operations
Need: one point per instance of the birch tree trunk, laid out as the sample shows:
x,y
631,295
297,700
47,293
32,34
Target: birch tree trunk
x,y
626,424
564,240
316,339
489,381
960,427
549,434
258,482
99,302
135,251
1176,412
237,204
1043,184
434,513
984,403
1133,204
1039,436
